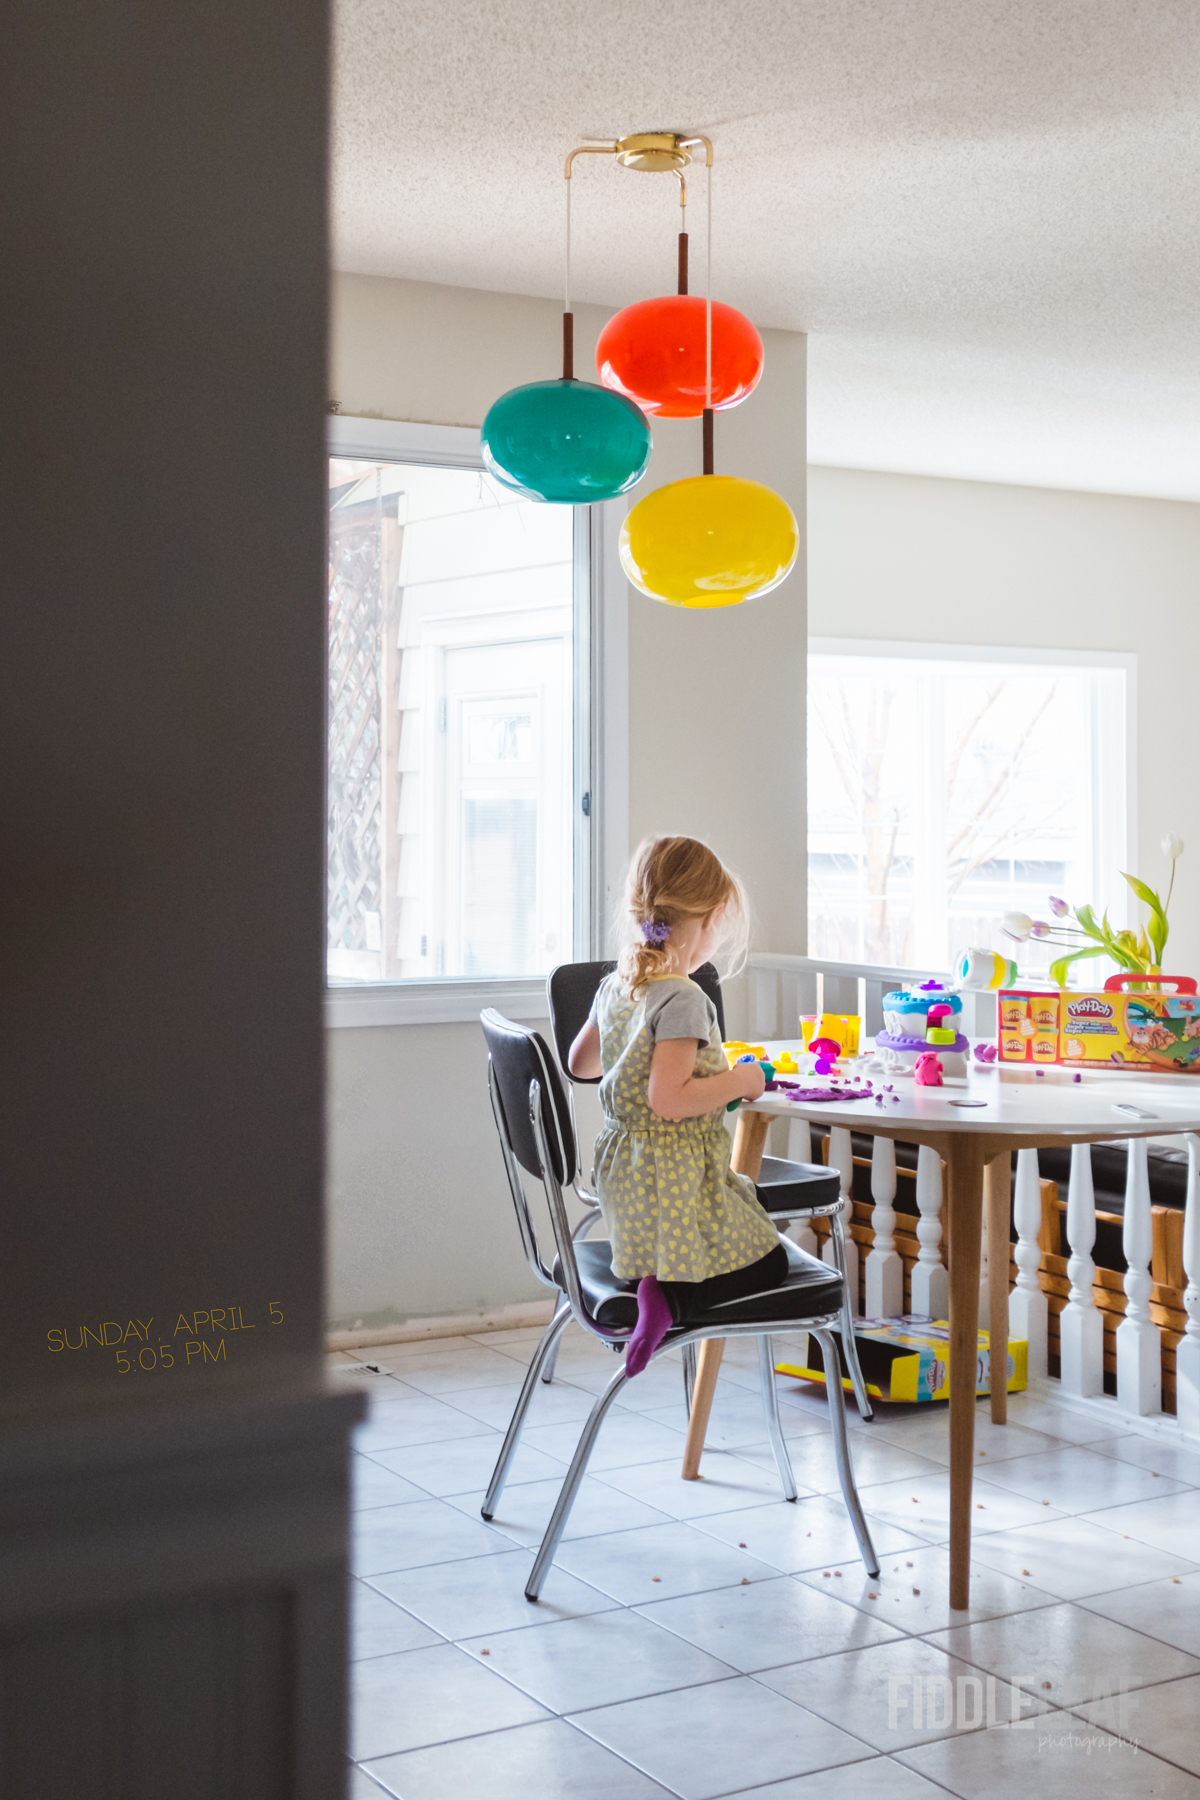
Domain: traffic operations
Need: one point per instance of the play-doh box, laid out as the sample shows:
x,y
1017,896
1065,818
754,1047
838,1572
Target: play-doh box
x,y
909,1359
1148,1028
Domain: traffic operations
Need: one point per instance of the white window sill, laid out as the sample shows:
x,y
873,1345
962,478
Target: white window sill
x,y
433,1002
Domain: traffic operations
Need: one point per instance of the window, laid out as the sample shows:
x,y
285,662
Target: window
x,y
947,787
457,835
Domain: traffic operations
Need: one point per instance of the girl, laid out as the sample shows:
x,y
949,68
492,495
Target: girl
x,y
688,1230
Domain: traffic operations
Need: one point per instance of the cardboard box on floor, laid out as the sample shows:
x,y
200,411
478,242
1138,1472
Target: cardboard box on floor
x,y
909,1359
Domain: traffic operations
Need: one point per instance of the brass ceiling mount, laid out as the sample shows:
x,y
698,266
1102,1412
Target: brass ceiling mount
x,y
654,151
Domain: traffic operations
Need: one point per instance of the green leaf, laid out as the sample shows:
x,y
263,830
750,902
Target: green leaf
x,y
1060,965
1158,927
1087,920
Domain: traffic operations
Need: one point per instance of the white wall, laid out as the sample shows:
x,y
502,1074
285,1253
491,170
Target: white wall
x,y
935,561
419,1219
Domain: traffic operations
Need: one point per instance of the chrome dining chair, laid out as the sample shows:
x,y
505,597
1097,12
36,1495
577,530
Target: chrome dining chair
x,y
792,1192
537,1140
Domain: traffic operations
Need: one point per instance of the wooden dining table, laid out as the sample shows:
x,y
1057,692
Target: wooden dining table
x,y
974,1123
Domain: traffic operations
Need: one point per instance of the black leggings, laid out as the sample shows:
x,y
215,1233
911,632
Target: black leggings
x,y
688,1298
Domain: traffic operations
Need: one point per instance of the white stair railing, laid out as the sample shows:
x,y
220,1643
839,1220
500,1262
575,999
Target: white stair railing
x,y
1187,1354
884,1274
1027,1309
799,1149
930,1277
1081,1327
841,1158
1139,1341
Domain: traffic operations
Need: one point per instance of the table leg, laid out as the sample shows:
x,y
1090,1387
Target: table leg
x,y
707,1367
964,1158
998,1188
749,1141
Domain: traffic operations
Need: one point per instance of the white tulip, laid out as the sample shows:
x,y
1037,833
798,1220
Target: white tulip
x,y
1017,925
1172,846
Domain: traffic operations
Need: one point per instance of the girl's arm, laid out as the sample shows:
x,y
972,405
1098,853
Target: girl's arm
x,y
584,1057
675,1093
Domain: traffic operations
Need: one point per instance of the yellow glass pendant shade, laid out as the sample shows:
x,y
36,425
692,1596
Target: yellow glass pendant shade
x,y
713,540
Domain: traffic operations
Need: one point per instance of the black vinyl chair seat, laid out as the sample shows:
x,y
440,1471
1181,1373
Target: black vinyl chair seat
x,y
786,1187
812,1289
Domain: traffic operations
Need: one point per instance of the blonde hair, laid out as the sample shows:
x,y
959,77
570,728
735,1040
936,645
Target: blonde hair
x,y
672,880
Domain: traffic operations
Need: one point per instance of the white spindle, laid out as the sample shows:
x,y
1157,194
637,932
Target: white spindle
x,y
884,1271
1139,1344
841,1158
1080,1324
930,1277
1027,1309
1187,1354
799,1149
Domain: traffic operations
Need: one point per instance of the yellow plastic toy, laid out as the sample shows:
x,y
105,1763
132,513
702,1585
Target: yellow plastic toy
x,y
843,1028
712,540
733,1049
786,1064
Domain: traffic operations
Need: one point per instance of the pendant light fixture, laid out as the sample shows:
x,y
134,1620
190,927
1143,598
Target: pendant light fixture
x,y
711,540
654,351
569,442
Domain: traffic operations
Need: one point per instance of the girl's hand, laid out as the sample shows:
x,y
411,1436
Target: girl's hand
x,y
752,1081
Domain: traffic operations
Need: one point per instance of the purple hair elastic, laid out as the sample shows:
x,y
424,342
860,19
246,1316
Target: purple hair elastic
x,y
654,933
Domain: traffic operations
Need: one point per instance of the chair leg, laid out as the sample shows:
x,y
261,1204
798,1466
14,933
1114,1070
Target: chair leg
x,y
570,1487
581,1230
837,1227
689,1375
841,1451
547,1347
783,1462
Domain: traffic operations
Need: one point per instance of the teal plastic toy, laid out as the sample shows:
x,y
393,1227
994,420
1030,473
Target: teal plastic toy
x,y
767,1068
570,442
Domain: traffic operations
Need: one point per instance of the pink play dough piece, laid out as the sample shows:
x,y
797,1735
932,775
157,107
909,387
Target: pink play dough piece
x,y
927,1070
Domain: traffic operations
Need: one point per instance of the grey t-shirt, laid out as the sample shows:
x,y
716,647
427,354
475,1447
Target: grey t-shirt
x,y
673,1007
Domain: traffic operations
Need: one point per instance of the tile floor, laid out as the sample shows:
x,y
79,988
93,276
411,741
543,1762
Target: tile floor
x,y
706,1639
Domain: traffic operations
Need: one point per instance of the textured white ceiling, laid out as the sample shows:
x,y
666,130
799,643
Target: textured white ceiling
x,y
985,215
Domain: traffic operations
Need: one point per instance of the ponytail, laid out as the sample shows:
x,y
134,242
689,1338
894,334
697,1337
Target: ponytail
x,y
672,880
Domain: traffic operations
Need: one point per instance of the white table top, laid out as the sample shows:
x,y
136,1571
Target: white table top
x,y
1016,1102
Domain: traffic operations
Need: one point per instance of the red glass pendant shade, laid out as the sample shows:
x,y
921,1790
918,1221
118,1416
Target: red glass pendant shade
x,y
653,353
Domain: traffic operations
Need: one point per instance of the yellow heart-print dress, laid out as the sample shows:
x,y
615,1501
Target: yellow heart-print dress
x,y
673,1206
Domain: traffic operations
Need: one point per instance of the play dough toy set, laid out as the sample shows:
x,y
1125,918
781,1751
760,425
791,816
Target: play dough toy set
x,y
1110,1028
922,1019
909,1359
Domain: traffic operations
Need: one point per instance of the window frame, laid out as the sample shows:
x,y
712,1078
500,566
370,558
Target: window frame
x,y
598,627
1119,900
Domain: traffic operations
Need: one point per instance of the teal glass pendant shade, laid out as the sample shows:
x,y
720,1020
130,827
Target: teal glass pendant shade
x,y
570,442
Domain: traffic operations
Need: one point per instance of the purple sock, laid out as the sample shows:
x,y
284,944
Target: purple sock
x,y
654,1322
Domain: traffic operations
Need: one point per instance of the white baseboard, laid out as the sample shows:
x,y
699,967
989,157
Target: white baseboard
x,y
525,1314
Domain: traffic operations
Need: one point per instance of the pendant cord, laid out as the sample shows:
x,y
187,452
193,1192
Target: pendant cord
x,y
568,373
708,296
708,405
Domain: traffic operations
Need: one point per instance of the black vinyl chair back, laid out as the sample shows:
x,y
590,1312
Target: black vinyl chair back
x,y
572,988
533,1118
519,1057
